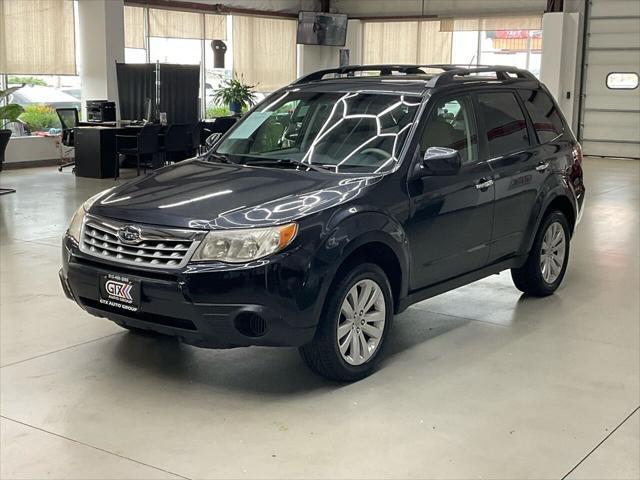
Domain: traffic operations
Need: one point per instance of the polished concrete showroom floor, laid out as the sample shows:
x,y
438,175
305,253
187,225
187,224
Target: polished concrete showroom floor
x,y
478,383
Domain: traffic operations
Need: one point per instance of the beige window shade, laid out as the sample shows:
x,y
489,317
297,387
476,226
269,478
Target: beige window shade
x,y
175,24
522,22
264,51
406,42
133,27
215,27
434,46
37,37
390,42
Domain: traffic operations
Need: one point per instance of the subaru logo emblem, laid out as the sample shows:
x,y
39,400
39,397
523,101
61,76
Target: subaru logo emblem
x,y
129,234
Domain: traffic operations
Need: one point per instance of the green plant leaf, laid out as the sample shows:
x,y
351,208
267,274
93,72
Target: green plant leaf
x,y
11,112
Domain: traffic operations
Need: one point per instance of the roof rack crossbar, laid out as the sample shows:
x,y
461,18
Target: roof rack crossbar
x,y
449,71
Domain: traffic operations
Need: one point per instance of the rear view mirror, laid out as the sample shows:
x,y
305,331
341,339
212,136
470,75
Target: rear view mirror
x,y
441,161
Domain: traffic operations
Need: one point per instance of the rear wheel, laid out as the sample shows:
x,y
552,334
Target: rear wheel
x,y
546,264
354,324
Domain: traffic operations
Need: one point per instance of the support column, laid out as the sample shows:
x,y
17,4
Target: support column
x,y
101,45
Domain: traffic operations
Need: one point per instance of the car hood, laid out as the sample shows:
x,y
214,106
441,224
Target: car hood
x,y
207,195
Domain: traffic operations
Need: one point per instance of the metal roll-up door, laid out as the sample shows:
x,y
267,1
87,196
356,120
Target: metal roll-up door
x,y
610,102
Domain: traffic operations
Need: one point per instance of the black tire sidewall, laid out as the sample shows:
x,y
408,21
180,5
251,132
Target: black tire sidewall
x,y
331,315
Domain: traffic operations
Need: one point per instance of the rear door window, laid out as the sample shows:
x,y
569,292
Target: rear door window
x,y
544,114
504,121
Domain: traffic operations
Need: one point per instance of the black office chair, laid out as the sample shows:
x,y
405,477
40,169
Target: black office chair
x,y
194,135
145,143
68,121
177,142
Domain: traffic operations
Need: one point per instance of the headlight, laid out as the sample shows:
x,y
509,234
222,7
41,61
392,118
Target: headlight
x,y
75,227
240,246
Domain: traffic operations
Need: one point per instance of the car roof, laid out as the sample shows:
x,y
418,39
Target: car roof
x,y
409,79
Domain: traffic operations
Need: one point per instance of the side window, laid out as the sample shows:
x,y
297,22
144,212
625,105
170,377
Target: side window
x,y
504,122
544,114
451,125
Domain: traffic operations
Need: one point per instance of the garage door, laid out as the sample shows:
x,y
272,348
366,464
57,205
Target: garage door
x,y
610,114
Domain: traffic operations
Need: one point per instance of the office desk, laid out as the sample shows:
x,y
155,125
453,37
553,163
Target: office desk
x,y
96,155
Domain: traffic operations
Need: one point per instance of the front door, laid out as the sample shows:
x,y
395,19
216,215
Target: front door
x,y
449,230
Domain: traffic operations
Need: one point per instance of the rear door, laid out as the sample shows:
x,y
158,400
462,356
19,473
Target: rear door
x,y
449,229
519,167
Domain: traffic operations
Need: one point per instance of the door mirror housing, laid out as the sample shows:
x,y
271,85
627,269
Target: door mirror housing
x,y
441,161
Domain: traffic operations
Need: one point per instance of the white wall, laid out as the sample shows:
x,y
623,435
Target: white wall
x,y
25,149
101,45
559,71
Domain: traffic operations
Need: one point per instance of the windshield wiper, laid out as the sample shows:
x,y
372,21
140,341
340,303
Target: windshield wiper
x,y
286,161
218,157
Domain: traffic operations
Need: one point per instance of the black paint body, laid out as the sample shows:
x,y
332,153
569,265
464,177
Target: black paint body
x,y
430,233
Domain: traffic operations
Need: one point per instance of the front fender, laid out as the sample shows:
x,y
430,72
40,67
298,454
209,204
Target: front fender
x,y
349,230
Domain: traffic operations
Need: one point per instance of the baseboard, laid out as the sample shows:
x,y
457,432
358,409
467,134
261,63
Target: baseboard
x,y
31,164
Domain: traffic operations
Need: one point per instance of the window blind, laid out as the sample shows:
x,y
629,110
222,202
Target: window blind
x,y
406,42
178,24
521,22
133,27
264,51
37,37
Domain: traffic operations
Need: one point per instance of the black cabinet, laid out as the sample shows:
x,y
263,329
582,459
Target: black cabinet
x,y
96,155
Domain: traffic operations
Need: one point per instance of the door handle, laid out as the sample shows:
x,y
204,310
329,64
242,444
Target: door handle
x,y
542,166
483,184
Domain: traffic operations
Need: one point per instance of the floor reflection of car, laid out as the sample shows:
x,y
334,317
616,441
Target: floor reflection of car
x,y
331,206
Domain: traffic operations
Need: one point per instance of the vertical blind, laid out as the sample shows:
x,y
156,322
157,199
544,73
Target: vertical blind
x,y
133,27
406,42
264,51
37,37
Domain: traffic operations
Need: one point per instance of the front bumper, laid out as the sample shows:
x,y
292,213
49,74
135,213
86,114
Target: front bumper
x,y
264,304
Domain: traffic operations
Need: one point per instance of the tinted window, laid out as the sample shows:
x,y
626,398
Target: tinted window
x,y
451,125
544,114
504,122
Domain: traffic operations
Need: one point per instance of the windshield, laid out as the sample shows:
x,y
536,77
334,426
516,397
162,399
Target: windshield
x,y
344,132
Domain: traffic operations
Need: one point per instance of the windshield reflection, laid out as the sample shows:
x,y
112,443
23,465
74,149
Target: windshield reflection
x,y
345,132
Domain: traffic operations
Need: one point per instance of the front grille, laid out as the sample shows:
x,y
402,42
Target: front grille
x,y
156,247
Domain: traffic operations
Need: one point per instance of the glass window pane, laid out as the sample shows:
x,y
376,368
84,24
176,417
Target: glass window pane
x,y
622,80
452,126
544,114
504,122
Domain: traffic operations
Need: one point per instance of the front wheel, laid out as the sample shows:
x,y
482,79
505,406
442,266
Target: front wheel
x,y
354,324
546,264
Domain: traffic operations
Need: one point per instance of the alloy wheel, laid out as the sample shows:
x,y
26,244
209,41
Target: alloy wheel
x,y
552,252
361,322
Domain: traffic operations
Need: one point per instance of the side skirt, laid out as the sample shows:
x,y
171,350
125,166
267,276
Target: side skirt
x,y
451,284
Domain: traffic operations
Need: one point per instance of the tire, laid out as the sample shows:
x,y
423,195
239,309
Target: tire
x,y
533,278
323,355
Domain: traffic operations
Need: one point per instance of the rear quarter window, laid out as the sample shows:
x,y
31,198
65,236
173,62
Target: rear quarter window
x,y
544,114
504,122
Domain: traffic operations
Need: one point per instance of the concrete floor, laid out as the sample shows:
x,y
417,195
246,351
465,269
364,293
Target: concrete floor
x,y
476,383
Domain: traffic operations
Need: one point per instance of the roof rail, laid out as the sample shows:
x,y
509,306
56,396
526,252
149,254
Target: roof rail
x,y
449,71
502,72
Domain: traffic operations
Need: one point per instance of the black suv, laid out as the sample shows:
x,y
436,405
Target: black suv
x,y
333,205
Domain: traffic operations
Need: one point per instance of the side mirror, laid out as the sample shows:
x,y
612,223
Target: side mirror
x,y
441,161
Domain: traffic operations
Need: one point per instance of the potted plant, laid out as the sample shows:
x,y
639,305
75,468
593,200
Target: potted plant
x,y
235,93
8,113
